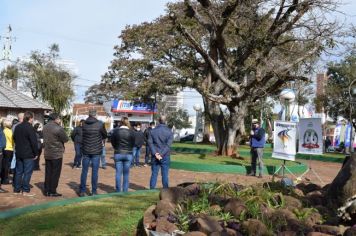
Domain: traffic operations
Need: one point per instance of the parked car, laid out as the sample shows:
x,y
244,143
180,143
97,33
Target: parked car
x,y
187,138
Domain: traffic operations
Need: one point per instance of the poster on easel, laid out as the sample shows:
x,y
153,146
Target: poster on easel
x,y
310,136
284,140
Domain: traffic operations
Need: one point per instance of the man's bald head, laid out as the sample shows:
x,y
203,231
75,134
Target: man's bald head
x,y
162,119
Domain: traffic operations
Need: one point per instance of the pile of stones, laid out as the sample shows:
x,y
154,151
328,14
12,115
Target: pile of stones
x,y
161,219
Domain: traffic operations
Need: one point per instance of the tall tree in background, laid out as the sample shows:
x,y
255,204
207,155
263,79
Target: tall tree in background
x,y
47,80
103,92
179,119
10,74
232,52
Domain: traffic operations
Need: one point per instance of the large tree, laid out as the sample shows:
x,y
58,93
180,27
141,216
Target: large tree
x,y
232,52
47,79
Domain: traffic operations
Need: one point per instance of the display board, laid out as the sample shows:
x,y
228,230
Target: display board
x,y
310,136
284,140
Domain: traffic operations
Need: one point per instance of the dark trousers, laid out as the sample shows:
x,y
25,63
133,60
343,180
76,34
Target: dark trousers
x,y
1,163
52,174
37,161
78,155
6,163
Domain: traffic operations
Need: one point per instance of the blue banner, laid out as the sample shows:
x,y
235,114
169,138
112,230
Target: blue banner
x,y
347,135
133,107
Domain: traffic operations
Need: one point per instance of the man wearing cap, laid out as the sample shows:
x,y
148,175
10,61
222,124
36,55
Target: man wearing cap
x,y
54,137
257,143
94,133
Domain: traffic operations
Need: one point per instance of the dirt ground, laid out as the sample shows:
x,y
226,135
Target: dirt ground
x,y
139,179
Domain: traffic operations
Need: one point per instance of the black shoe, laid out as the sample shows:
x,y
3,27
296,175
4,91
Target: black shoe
x,y
260,176
36,169
93,194
55,195
81,194
251,174
46,194
5,182
104,167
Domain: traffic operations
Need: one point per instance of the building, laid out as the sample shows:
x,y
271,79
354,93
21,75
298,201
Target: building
x,y
13,102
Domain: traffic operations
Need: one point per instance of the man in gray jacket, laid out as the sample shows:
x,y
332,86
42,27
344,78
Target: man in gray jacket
x,y
54,138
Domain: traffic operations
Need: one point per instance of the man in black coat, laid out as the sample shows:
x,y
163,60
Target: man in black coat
x,y
94,134
54,137
139,141
26,149
77,138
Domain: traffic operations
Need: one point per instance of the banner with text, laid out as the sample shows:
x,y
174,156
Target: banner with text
x,y
310,136
284,140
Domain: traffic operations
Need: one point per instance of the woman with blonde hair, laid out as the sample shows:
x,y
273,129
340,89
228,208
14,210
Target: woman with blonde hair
x,y
8,151
123,140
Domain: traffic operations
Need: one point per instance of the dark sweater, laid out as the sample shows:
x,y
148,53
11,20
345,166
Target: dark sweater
x,y
25,138
139,138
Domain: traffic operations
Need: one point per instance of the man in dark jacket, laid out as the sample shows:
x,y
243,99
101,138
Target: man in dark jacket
x,y
257,143
54,137
94,133
77,137
26,149
160,140
148,154
139,141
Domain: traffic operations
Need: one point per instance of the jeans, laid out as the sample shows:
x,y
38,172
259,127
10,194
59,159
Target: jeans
x,y
122,165
102,158
148,154
24,168
94,160
78,154
136,156
155,165
256,156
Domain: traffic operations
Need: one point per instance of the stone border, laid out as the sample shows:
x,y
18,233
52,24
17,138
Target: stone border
x,y
43,206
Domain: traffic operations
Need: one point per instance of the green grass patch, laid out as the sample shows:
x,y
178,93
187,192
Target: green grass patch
x,y
221,160
117,215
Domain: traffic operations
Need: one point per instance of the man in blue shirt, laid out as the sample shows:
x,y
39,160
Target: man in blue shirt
x,y
160,140
257,143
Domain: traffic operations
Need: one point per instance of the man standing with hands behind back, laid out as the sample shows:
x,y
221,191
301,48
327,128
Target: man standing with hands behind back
x,y
54,137
160,140
257,143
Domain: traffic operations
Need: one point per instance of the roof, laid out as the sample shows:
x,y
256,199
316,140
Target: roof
x,y
12,98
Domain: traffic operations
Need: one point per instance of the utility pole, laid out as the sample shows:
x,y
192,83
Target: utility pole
x,y
7,40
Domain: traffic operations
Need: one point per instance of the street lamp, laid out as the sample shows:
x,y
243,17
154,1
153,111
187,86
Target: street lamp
x,y
198,109
352,95
286,97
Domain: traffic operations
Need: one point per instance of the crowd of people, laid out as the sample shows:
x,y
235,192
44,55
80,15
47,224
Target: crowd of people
x,y
22,141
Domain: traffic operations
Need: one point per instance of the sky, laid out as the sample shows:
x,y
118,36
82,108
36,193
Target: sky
x,y
86,31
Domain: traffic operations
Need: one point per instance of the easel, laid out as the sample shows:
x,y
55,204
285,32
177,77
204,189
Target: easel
x,y
313,172
284,168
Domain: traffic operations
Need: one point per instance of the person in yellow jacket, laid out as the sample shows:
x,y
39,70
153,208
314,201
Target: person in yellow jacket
x,y
8,152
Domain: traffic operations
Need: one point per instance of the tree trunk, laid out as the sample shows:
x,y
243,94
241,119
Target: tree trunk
x,y
235,130
343,186
206,135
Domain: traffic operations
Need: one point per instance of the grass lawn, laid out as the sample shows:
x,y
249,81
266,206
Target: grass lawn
x,y
244,149
209,159
117,215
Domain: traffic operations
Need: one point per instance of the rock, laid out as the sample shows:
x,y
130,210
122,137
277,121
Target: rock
x,y
266,211
173,194
218,199
314,218
148,216
205,224
315,198
317,234
311,188
282,215
350,231
164,226
299,192
287,233
292,202
195,233
254,227
226,232
327,229
164,208
298,226
192,189
215,208
235,207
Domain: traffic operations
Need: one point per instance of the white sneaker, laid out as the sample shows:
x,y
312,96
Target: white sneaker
x,y
28,194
